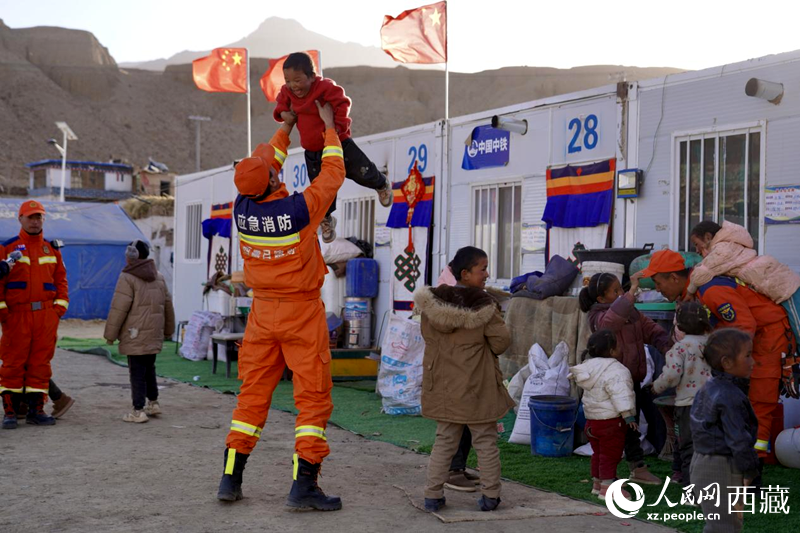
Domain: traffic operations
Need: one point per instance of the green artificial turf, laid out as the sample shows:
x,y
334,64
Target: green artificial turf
x,y
358,409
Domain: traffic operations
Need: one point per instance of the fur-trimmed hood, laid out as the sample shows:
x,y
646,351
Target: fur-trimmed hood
x,y
450,308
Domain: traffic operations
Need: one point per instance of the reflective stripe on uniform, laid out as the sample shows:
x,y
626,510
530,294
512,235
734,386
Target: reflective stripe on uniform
x,y
48,259
31,389
332,151
294,466
24,259
247,429
310,431
6,389
762,445
3,305
230,461
62,303
280,156
294,238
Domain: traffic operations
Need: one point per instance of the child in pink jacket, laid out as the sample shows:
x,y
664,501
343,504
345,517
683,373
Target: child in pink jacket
x,y
727,250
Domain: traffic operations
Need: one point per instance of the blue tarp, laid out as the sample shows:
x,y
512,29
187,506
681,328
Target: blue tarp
x,y
95,236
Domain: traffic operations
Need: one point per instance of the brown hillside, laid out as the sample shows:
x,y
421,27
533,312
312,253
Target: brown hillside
x,y
50,74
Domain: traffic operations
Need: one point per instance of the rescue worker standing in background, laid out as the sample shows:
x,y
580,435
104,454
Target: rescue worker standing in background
x,y
33,298
286,327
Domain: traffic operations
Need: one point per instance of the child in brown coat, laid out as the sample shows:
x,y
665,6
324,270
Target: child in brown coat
x,y
462,385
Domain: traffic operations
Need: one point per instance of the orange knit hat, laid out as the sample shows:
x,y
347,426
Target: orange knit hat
x,y
252,173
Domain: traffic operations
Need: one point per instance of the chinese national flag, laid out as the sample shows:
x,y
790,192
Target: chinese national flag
x,y
223,71
273,80
417,35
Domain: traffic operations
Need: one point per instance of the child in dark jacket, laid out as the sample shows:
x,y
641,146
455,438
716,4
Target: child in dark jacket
x,y
303,87
611,308
724,429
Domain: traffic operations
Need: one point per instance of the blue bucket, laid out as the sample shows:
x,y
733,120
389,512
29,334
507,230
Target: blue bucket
x,y
552,425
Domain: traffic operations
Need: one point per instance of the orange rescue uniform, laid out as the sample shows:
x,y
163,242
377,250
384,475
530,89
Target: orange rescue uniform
x,y
733,304
33,297
287,326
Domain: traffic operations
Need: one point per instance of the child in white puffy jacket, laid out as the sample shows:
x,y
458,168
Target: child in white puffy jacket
x,y
609,405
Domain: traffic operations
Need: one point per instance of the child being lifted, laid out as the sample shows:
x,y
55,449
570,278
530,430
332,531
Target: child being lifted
x,y
296,98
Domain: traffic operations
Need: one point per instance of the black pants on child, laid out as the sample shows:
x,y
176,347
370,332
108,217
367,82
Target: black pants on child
x,y
656,429
685,445
142,369
358,167
459,461
53,391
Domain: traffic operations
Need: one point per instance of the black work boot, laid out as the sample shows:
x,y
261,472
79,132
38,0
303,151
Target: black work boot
x,y
305,493
230,486
36,414
9,410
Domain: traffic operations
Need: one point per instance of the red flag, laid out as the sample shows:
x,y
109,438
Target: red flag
x,y
223,71
273,80
417,35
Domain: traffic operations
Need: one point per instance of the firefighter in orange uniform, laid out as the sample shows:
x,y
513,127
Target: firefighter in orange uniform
x,y
33,298
732,304
287,326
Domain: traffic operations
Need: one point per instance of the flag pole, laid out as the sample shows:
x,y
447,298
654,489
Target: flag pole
x,y
249,129
446,71
446,92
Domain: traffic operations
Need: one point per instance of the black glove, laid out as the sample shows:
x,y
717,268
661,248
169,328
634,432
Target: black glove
x,y
4,269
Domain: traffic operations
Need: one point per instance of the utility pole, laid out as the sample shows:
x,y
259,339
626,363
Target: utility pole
x,y
197,120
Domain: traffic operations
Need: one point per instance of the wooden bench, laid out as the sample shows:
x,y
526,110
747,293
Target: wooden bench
x,y
228,341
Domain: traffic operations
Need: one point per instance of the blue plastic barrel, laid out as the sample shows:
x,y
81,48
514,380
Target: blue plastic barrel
x,y
362,278
552,423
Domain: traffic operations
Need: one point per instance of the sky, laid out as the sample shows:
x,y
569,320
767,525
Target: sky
x,y
482,34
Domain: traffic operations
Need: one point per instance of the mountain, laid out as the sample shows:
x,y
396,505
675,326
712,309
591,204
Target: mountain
x,y
276,37
54,74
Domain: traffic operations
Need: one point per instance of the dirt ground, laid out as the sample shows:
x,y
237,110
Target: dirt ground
x,y
81,329
93,472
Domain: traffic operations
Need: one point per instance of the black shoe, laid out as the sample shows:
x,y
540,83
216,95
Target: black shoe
x,y
432,505
36,414
488,504
10,422
305,493
230,486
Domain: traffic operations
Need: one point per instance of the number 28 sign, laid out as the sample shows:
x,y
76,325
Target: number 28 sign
x,y
584,133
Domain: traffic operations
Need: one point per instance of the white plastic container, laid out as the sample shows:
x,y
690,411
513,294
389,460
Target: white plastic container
x,y
590,268
219,302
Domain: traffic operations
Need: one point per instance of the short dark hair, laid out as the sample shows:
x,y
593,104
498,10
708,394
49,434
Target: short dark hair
x,y
300,61
598,286
601,343
680,273
693,319
706,226
726,342
466,258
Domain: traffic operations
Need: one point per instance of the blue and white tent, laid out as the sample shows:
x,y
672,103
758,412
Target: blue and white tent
x,y
95,236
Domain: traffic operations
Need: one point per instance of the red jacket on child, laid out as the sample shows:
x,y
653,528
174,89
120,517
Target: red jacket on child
x,y
309,125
